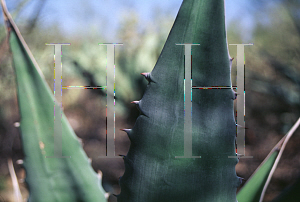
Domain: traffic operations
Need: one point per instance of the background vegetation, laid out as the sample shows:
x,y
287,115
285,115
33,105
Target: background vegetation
x,y
272,80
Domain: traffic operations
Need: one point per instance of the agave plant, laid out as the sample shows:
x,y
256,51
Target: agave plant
x,y
48,179
152,171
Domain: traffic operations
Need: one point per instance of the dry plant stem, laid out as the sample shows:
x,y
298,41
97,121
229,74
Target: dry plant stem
x,y
17,192
288,136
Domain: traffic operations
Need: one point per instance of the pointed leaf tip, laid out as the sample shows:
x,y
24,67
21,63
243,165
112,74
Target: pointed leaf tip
x,y
106,195
99,173
126,130
147,76
135,102
234,95
240,181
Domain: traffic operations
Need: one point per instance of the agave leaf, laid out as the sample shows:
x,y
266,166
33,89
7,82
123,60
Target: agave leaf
x,y
152,173
251,191
48,179
256,186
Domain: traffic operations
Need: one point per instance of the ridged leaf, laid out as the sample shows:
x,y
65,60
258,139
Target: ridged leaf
x,y
152,174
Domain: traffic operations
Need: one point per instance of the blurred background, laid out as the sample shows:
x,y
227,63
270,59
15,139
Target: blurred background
x,y
272,75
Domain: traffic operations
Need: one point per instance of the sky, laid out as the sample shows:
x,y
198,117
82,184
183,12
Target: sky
x,y
74,15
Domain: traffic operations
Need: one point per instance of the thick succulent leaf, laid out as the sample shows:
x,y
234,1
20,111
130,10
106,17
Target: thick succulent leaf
x,y
152,173
48,179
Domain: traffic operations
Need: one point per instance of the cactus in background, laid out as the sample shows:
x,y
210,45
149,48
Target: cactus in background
x,y
152,173
49,179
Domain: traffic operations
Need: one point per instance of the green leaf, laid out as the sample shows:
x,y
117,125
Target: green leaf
x,y
255,188
251,191
49,179
152,173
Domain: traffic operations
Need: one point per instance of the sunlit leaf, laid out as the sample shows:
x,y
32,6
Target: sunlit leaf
x,y
49,179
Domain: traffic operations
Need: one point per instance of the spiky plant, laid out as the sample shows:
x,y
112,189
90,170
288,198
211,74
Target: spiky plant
x,y
152,173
